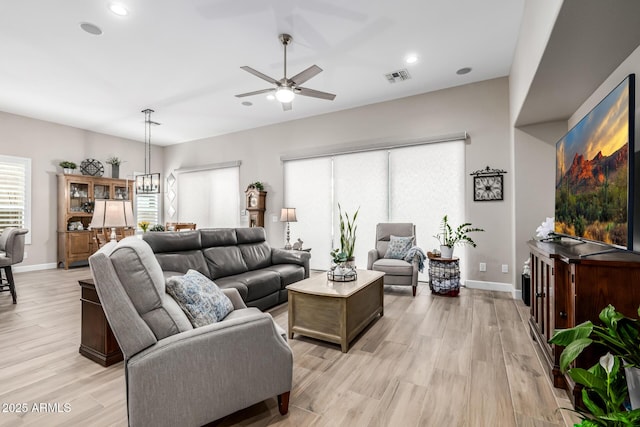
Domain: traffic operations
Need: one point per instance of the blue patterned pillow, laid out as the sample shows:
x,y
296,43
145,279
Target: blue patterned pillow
x,y
398,247
201,300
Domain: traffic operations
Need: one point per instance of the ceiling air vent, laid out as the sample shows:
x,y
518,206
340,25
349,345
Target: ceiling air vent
x,y
398,76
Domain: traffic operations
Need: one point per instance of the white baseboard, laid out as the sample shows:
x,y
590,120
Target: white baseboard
x,y
35,267
490,286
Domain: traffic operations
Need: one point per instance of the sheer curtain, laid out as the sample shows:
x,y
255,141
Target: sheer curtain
x,y
417,183
210,198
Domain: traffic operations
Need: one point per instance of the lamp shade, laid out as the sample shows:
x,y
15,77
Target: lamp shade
x,y
97,221
114,215
288,215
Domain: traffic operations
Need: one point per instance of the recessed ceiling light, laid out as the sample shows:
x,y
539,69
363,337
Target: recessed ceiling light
x,y
118,9
91,28
411,59
271,97
465,70
247,103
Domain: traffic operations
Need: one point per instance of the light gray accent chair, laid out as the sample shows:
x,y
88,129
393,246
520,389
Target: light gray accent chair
x,y
397,271
177,375
11,252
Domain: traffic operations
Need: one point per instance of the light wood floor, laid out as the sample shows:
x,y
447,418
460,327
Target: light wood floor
x,y
430,361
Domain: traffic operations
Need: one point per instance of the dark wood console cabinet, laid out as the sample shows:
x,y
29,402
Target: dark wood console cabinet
x,y
570,286
97,341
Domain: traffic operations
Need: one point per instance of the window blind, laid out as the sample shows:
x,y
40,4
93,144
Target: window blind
x,y
15,193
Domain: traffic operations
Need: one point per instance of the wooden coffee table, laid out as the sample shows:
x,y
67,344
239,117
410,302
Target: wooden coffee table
x,y
335,311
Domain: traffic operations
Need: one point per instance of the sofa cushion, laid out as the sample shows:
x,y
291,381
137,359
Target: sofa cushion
x,y
398,247
289,273
183,261
256,255
218,237
224,261
173,241
143,281
393,267
259,283
251,235
201,300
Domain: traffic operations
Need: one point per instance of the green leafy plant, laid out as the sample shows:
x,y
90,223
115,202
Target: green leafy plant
x,y
114,161
157,227
68,165
448,237
348,229
338,257
258,185
619,335
603,394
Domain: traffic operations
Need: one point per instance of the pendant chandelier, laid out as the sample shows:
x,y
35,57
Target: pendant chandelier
x,y
149,182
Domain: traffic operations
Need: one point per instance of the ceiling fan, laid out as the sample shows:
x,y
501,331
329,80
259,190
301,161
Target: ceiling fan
x,y
286,89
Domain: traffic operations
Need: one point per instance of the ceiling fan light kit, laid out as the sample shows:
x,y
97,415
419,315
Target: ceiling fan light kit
x,y
286,88
284,94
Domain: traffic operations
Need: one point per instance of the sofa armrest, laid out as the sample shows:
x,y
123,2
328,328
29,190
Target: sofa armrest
x,y
206,373
371,258
235,298
281,256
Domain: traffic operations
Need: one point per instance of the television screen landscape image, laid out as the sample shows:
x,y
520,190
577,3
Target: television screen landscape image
x,y
594,172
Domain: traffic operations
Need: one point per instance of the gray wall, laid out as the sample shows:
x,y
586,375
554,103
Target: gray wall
x,y
47,144
481,109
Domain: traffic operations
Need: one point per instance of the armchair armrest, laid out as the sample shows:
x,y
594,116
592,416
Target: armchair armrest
x,y
225,366
371,258
280,256
235,297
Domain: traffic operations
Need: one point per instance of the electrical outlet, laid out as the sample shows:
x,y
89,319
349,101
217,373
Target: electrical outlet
x,y
505,268
25,255
274,218
483,266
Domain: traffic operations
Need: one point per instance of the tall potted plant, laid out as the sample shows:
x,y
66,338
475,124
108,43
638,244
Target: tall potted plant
x,y
449,238
348,229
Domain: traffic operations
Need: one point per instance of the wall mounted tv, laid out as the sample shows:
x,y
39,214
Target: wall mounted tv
x,y
595,172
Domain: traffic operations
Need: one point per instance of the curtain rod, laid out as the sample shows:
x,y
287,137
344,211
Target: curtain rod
x,y
373,146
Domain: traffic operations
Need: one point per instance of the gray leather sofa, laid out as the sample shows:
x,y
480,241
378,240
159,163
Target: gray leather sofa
x,y
237,258
177,375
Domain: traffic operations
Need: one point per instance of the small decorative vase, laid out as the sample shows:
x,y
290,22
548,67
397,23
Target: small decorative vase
x,y
115,171
446,252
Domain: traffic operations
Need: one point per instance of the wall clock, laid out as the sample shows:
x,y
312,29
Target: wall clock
x,y
488,187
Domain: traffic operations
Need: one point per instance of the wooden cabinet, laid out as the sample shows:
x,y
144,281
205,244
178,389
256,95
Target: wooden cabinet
x,y
97,341
569,286
76,195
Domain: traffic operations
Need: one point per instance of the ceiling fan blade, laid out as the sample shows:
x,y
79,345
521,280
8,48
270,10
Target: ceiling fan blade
x,y
255,92
305,75
286,106
314,93
259,74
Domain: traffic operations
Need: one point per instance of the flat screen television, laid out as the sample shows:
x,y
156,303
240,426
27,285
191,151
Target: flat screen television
x,y
595,172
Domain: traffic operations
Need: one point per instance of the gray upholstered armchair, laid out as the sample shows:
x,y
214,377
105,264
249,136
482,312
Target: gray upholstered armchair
x,y
397,271
175,374
11,252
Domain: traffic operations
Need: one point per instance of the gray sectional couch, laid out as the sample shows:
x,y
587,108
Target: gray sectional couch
x,y
237,258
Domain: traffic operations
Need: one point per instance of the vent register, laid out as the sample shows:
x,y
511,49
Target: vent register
x,y
398,76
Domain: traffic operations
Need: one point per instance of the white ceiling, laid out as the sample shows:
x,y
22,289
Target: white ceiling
x,y
183,58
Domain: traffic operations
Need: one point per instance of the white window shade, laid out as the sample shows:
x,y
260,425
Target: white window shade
x,y
15,193
148,208
210,198
308,189
427,182
361,181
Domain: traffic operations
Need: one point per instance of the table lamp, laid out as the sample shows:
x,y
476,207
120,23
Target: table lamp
x,y
288,215
112,214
